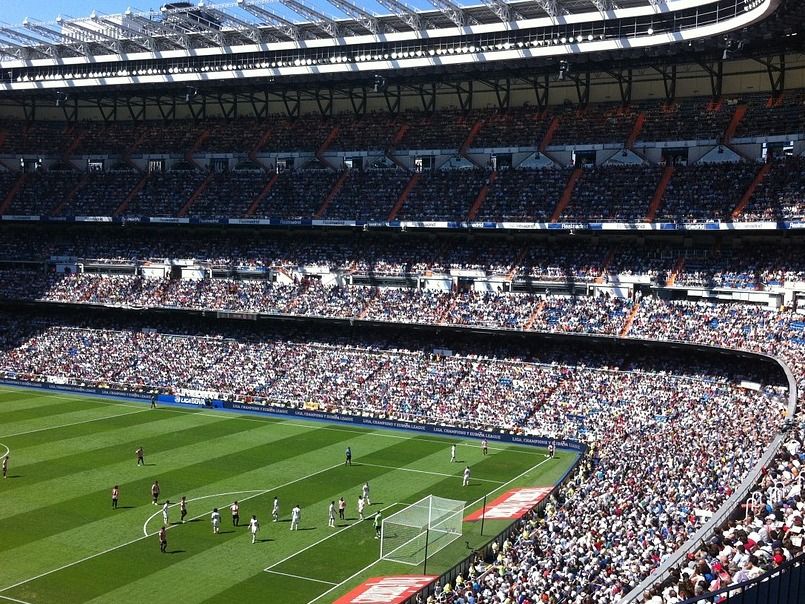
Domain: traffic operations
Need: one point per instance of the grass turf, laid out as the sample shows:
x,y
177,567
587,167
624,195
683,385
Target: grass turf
x,y
62,542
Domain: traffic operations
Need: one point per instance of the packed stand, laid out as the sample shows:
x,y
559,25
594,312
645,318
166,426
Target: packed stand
x,y
514,127
781,194
705,191
165,193
445,130
43,192
368,195
594,124
686,119
443,195
296,194
524,194
613,193
229,194
102,193
765,536
767,116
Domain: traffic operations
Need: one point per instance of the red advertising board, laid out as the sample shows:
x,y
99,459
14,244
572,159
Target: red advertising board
x,y
386,590
512,504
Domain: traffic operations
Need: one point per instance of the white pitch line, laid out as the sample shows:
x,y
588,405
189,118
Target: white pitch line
x,y
365,568
276,572
6,448
117,547
330,536
173,505
10,599
375,465
86,421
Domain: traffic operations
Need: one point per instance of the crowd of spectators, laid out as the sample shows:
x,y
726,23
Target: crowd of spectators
x,y
443,195
524,194
229,194
706,191
781,194
368,195
657,473
613,193
444,129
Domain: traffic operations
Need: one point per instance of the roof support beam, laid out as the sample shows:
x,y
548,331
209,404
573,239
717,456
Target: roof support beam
x,y
453,12
78,45
136,37
285,27
242,27
152,27
107,42
181,20
550,7
366,19
323,22
503,10
409,16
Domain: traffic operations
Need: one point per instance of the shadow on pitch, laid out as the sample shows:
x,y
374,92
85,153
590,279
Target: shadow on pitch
x,y
175,551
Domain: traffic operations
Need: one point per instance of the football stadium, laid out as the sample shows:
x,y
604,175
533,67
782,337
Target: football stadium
x,y
429,302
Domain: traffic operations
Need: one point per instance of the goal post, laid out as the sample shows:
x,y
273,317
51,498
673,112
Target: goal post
x,y
428,525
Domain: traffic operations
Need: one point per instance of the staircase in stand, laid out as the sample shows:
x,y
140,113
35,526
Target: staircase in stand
x,y
121,209
13,191
203,135
481,197
415,178
637,128
627,325
750,190
605,266
129,150
679,266
326,145
532,318
264,138
56,211
518,262
336,188
549,133
566,194
659,194
262,195
732,127
465,146
395,140
196,194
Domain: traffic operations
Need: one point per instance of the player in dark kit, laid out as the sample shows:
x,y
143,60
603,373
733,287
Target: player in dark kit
x,y
115,495
163,540
155,492
153,401
183,507
348,457
5,466
140,456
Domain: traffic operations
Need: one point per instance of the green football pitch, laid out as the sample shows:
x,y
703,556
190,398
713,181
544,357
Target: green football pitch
x,y
61,541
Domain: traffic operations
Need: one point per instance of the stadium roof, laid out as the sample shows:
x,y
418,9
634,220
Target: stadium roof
x,y
190,44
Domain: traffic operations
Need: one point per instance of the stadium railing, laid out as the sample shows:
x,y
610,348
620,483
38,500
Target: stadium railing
x,y
782,585
727,509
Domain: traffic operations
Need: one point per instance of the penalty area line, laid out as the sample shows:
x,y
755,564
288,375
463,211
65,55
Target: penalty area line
x,y
375,465
367,567
10,599
320,541
276,572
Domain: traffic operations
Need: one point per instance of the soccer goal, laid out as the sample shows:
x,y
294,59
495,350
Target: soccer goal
x,y
425,526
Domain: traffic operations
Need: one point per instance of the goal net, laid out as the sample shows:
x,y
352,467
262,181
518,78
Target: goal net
x,y
429,524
